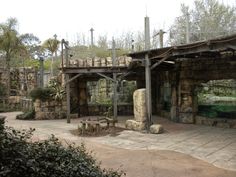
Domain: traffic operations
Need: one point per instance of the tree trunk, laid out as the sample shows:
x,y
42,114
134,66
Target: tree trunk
x,y
8,79
52,74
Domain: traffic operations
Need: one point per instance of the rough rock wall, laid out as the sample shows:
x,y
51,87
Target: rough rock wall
x,y
23,80
49,109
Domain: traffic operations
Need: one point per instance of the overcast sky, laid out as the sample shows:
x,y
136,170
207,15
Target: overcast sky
x,y
66,18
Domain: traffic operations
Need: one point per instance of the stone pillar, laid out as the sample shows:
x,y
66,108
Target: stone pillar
x,y
186,113
83,105
195,101
159,105
173,109
140,111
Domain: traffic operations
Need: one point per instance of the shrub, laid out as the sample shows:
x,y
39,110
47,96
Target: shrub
x,y
48,158
2,90
58,91
29,115
43,94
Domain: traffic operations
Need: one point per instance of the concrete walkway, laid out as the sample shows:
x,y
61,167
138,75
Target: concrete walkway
x,y
211,144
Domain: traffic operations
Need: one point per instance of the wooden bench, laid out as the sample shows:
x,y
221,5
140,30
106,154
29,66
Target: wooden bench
x,y
91,125
108,121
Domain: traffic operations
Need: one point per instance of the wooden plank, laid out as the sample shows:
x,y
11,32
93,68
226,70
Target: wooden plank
x,y
106,77
159,62
95,70
73,78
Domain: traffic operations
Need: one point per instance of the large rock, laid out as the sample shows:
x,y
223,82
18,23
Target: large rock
x,y
156,129
134,125
140,111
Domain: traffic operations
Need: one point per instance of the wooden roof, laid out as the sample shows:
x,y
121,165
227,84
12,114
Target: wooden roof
x,y
210,47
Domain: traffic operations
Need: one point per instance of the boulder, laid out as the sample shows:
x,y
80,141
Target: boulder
x,y
140,111
156,129
134,125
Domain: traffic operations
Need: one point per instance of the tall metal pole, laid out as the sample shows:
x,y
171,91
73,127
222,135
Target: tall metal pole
x,y
92,45
161,33
68,84
148,74
114,77
91,30
187,28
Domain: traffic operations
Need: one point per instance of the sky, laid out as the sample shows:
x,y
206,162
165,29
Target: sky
x,y
69,18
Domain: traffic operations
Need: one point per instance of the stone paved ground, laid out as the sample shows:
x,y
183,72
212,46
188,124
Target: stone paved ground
x,y
216,146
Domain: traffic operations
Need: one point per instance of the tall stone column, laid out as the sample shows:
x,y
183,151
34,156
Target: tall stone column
x,y
173,109
186,113
83,105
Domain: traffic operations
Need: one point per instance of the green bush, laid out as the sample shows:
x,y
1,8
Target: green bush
x,y
48,158
29,115
43,94
2,90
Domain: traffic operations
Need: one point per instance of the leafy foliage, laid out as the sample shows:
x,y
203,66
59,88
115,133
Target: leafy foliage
x,y
29,115
58,91
2,90
48,158
10,45
42,94
208,19
54,91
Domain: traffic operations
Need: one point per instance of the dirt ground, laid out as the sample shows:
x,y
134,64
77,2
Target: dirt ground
x,y
135,163
155,163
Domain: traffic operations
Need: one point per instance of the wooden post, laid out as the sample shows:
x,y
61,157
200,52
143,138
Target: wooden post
x,y
115,80
67,78
148,74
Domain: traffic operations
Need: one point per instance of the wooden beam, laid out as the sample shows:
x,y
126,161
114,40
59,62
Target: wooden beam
x,y
108,78
159,62
125,74
73,78
90,70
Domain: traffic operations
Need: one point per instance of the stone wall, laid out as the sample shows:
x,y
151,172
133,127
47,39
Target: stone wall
x,y
216,122
26,104
100,109
23,80
184,80
49,109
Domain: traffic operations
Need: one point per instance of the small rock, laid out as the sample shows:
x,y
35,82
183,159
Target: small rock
x,y
156,129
